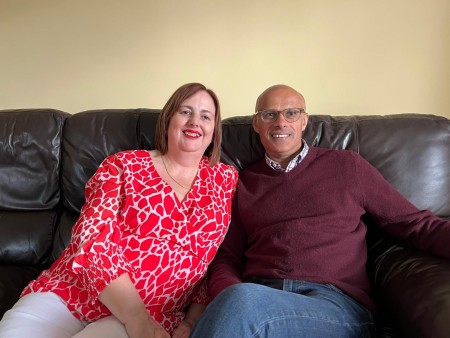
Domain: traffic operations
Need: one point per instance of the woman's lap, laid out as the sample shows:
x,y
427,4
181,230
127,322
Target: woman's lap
x,y
44,315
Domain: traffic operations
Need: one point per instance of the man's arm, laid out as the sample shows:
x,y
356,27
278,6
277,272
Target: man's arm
x,y
227,267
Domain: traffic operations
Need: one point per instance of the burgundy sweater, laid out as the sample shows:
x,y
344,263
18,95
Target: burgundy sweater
x,y
306,224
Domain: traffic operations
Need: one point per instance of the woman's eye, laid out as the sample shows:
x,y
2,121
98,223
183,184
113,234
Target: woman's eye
x,y
185,112
206,117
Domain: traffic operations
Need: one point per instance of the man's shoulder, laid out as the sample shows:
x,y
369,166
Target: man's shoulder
x,y
333,153
340,158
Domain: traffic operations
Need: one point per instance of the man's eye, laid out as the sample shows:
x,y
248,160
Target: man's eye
x,y
291,113
269,114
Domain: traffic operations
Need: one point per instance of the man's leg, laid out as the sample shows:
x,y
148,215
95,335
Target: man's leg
x,y
307,310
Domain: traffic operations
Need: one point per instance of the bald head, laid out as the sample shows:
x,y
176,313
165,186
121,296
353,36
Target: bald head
x,y
279,92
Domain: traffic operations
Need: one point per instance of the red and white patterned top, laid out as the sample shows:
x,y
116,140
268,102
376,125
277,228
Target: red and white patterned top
x,y
132,222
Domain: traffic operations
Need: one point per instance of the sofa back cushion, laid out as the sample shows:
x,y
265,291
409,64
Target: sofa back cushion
x,y
411,151
90,136
30,163
26,237
30,158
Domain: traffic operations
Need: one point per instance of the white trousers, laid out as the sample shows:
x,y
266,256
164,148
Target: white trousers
x,y
44,315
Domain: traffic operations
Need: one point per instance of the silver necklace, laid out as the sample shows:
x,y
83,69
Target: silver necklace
x,y
168,173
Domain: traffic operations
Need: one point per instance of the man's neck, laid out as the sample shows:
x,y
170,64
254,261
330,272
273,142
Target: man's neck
x,y
287,163
282,159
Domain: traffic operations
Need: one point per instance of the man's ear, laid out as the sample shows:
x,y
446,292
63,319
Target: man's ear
x,y
305,121
255,124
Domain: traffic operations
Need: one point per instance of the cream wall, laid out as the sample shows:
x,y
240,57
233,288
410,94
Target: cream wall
x,y
346,57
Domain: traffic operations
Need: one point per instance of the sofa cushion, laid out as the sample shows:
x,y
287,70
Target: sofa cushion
x,y
30,158
26,237
63,233
416,160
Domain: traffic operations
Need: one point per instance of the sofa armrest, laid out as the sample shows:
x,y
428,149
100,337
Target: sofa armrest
x,y
413,289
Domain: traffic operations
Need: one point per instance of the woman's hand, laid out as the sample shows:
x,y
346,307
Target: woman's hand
x,y
183,330
148,328
193,314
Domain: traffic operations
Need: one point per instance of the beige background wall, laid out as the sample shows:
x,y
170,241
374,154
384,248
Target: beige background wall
x,y
347,56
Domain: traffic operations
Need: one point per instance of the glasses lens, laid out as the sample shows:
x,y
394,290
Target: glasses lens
x,y
291,115
269,115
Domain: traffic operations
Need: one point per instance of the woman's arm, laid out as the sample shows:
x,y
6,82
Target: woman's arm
x,y
124,302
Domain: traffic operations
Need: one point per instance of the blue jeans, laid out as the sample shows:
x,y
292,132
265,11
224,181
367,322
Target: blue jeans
x,y
301,309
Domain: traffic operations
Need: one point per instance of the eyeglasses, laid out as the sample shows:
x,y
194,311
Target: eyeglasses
x,y
271,115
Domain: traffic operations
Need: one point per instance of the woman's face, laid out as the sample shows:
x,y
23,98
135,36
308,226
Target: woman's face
x,y
191,128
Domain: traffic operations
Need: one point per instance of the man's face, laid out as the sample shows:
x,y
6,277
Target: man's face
x,y
281,139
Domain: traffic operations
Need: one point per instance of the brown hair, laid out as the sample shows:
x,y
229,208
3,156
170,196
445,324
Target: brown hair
x,y
172,106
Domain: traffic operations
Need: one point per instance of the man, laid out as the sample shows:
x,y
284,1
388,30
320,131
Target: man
x,y
295,266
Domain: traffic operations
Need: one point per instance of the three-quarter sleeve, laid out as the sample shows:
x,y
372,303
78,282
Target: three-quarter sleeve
x,y
97,234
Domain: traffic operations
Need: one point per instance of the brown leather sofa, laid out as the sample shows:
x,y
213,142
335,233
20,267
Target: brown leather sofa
x,y
46,157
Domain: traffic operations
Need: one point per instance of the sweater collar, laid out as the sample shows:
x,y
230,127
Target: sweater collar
x,y
293,163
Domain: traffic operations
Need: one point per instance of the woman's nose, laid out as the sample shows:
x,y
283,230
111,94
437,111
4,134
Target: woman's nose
x,y
193,120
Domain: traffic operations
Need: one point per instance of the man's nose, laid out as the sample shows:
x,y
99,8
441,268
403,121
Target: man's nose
x,y
281,119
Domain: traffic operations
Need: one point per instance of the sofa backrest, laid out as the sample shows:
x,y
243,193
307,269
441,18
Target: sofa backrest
x,y
411,151
47,156
30,165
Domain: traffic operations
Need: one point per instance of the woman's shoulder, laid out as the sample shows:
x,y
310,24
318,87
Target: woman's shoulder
x,y
219,166
221,172
127,155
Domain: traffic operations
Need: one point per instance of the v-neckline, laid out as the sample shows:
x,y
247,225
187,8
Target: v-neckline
x,y
190,191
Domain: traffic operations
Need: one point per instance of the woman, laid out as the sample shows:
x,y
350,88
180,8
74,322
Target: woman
x,y
151,224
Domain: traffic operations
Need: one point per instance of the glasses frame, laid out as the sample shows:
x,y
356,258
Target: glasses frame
x,y
282,112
